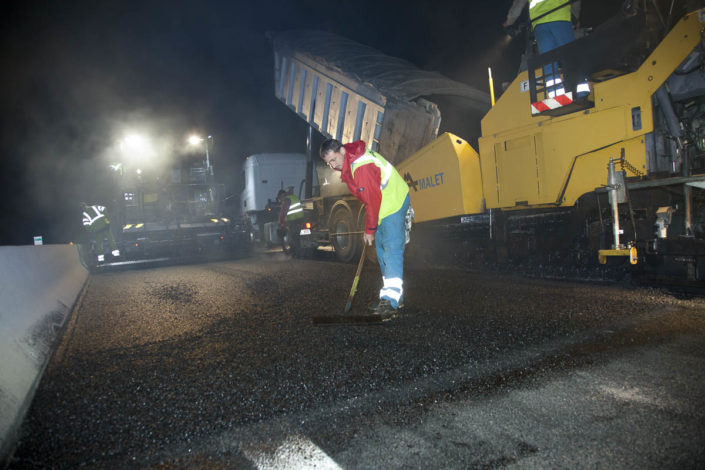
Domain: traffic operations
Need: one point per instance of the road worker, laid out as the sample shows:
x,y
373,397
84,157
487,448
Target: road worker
x,y
551,21
291,213
385,194
95,220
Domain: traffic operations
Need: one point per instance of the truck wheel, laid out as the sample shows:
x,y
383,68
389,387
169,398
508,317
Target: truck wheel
x,y
292,246
347,247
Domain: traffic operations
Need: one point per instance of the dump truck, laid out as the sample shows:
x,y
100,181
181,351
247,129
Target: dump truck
x,y
350,91
609,179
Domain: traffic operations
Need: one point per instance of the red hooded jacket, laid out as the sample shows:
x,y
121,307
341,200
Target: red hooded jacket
x,y
365,185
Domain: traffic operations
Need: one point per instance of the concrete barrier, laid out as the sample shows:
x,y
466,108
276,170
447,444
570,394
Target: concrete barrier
x,y
39,286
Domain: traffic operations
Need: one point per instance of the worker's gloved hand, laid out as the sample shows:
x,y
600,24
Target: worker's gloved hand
x,y
369,238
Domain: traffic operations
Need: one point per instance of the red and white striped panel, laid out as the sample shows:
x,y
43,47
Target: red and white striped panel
x,y
552,103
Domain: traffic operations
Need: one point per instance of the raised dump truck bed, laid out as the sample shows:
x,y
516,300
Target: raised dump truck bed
x,y
349,91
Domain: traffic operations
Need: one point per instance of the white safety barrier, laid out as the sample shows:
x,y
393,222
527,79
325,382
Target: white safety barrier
x,y
39,286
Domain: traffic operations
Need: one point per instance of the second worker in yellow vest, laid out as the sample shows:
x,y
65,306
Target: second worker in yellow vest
x,y
550,20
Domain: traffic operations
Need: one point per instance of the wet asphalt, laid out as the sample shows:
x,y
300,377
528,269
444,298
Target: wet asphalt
x,y
218,366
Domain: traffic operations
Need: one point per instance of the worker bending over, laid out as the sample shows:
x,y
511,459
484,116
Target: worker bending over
x,y
385,194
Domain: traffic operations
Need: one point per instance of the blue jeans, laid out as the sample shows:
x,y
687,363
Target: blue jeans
x,y
390,240
550,36
553,34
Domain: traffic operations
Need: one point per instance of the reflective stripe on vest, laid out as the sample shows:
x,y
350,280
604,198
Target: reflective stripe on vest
x,y
88,220
296,210
541,7
394,188
385,168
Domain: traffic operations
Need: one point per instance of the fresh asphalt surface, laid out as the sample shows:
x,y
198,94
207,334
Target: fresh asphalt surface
x,y
218,366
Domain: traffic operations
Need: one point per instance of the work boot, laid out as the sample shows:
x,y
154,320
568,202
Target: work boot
x,y
385,310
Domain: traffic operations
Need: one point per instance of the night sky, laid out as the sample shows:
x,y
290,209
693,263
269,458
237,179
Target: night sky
x,y
78,75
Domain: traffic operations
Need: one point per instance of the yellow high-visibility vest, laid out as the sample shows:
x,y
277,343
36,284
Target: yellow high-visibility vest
x,y
540,7
296,210
394,188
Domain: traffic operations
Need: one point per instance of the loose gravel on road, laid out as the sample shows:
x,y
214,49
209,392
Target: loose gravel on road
x,y
158,365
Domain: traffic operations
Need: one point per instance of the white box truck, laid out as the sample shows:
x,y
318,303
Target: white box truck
x,y
264,175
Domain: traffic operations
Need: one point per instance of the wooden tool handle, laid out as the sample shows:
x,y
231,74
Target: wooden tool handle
x,y
353,289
